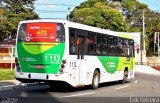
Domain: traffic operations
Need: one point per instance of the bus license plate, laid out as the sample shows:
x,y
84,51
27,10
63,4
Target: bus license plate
x,y
39,66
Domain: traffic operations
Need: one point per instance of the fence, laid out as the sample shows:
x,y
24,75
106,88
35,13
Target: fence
x,y
153,61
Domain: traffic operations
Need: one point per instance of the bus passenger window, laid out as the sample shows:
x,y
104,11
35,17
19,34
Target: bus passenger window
x,y
72,41
73,46
119,49
126,50
110,45
91,43
132,48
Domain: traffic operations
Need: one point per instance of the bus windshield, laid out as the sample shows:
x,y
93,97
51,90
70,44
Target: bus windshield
x,y
41,32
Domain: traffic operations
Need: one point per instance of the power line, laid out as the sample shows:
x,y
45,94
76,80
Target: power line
x,y
56,4
49,11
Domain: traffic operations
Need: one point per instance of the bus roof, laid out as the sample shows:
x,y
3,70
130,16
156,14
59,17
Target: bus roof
x,y
86,27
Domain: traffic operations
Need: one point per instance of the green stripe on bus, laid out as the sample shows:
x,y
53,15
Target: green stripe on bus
x,y
113,64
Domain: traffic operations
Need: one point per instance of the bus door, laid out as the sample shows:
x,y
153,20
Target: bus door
x,y
81,48
77,51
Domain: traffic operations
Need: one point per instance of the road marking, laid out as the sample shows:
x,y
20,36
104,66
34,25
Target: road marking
x,y
76,95
122,87
136,81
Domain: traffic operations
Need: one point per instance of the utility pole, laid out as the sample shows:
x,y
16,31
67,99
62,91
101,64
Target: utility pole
x,y
156,43
68,13
143,52
158,48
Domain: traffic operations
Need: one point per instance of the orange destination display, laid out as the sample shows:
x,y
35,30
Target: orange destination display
x,y
41,32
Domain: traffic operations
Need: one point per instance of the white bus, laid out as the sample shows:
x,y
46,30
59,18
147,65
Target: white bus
x,y
59,51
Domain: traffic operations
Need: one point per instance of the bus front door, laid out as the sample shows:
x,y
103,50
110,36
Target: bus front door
x,y
81,71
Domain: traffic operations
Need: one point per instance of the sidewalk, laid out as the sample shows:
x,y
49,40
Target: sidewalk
x,y
146,69
9,82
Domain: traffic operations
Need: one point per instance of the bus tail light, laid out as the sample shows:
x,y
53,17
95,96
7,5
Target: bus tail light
x,y
18,69
61,70
62,66
63,61
16,62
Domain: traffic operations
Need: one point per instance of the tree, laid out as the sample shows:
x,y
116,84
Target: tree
x,y
13,12
97,13
132,9
106,14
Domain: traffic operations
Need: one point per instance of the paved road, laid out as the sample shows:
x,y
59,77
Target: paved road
x,y
143,86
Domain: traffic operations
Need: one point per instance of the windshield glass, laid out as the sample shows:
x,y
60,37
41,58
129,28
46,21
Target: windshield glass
x,y
41,32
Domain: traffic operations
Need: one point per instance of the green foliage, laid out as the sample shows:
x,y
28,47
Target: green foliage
x,y
13,12
103,14
97,13
133,11
6,74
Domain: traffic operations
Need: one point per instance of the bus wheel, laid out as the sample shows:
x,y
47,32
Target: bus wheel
x,y
125,76
95,79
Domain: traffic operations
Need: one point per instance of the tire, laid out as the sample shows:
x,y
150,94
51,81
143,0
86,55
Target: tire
x,y
125,76
95,80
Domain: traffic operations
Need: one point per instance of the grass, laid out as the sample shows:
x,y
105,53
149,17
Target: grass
x,y
6,74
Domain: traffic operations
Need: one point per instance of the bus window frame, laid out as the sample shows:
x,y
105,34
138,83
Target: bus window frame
x,y
79,32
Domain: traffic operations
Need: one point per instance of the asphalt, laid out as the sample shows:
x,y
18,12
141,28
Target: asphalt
x,y
11,84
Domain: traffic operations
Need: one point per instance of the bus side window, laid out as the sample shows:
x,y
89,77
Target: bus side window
x,y
119,49
101,41
91,43
126,50
110,45
72,41
132,48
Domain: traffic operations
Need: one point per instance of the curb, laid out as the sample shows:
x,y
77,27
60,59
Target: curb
x,y
7,87
9,84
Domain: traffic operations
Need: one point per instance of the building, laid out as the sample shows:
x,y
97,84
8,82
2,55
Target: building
x,y
7,53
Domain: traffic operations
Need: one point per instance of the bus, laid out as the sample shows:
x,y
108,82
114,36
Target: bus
x,y
63,52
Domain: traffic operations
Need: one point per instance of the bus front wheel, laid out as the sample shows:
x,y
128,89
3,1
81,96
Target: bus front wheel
x,y
95,79
125,76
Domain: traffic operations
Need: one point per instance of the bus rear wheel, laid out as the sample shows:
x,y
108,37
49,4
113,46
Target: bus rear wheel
x,y
125,76
95,80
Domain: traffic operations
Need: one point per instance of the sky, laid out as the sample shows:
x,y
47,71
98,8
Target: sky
x,y
50,11
60,11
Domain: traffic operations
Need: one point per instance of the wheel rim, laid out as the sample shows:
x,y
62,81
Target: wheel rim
x,y
96,80
125,74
